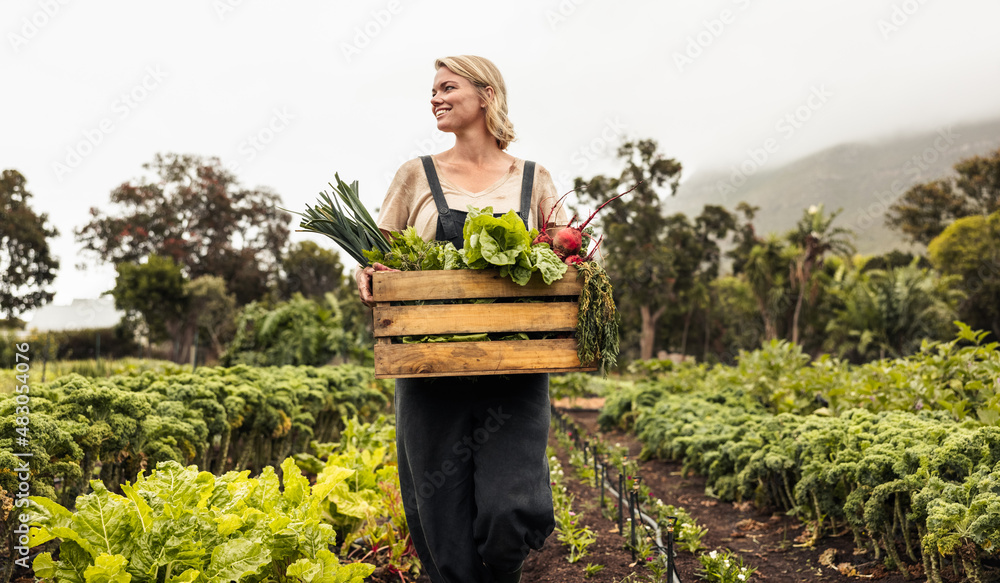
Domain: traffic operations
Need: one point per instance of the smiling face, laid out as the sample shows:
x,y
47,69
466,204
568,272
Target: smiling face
x,y
455,102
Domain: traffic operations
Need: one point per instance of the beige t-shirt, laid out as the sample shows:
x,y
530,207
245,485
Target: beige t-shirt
x,y
409,202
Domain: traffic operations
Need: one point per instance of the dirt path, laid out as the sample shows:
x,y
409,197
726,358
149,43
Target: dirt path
x,y
770,542
766,540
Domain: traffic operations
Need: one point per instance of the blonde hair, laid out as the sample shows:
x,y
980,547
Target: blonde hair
x,y
482,73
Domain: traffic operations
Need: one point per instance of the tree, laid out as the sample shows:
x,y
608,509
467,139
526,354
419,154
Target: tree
x,y
195,213
298,332
767,272
310,270
815,237
642,265
970,248
211,310
155,292
745,237
25,261
889,312
924,210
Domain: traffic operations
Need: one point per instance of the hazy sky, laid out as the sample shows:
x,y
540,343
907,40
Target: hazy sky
x,y
289,93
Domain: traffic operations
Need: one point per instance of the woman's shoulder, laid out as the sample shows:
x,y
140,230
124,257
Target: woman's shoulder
x,y
541,172
410,171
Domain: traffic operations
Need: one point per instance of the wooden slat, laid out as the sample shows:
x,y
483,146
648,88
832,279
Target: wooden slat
x,y
402,286
475,318
476,358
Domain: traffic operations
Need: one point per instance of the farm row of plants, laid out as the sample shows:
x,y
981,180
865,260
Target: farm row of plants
x,y
184,525
960,377
74,429
678,529
901,454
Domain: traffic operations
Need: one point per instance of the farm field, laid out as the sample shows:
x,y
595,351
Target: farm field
x,y
798,470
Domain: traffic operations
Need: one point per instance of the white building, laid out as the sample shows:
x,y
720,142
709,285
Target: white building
x,y
80,315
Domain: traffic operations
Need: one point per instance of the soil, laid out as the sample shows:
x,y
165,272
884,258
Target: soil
x,y
766,540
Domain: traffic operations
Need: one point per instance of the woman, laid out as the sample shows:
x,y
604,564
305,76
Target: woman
x,y
472,462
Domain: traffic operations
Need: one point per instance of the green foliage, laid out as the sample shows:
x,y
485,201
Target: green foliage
x,y
28,265
569,531
220,419
767,272
408,252
970,249
814,236
350,225
925,210
195,212
889,313
597,322
155,291
646,262
211,309
310,270
490,242
724,567
117,343
297,332
575,385
902,449
179,524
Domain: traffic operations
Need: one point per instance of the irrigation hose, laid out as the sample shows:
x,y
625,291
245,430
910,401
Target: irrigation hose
x,y
657,534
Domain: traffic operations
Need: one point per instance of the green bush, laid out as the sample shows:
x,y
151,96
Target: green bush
x,y
297,332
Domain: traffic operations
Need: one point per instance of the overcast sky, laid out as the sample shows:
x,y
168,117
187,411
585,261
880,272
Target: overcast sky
x,y
287,93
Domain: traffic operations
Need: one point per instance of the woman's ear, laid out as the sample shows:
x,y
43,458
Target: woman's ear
x,y
488,96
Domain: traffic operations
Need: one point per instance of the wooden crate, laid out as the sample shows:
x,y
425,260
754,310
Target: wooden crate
x,y
394,359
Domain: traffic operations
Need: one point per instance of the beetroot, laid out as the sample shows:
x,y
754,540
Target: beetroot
x,y
544,237
569,241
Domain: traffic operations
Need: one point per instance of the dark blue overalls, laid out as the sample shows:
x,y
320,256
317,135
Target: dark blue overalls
x,y
472,464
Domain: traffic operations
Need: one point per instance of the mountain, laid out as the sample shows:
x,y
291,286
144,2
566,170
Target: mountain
x,y
860,178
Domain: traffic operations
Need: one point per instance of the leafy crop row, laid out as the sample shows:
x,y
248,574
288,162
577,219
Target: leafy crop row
x,y
183,525
218,419
960,377
902,454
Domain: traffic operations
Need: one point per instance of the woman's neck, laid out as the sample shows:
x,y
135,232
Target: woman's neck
x,y
474,147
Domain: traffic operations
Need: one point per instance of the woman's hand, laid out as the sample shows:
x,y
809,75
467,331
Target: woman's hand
x,y
364,277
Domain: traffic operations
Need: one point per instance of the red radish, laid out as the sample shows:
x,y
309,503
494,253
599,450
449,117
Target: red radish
x,y
544,237
569,241
573,260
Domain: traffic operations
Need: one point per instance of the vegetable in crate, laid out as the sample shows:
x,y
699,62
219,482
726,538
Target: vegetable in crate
x,y
350,226
568,243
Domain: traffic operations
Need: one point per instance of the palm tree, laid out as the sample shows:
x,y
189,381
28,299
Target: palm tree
x,y
765,270
815,237
888,313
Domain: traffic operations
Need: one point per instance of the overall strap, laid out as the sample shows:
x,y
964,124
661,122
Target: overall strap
x,y
439,201
527,183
